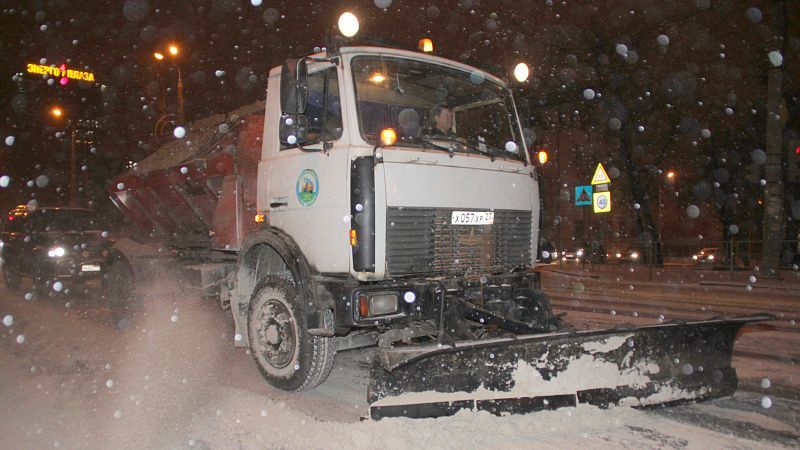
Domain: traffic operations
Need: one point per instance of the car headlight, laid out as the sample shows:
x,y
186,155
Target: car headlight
x,y
694,257
711,257
634,255
580,252
619,255
56,252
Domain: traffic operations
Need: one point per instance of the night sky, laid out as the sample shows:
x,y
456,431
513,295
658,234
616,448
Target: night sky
x,y
691,73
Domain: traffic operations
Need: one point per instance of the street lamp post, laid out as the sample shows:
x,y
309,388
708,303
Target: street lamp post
x,y
58,113
173,51
670,180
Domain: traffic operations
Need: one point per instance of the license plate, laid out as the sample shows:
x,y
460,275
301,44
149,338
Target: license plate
x,y
472,218
90,268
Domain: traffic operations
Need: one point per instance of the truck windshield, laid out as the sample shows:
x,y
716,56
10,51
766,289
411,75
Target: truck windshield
x,y
435,106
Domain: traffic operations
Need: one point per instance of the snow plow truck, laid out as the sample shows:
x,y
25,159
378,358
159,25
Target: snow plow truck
x,y
384,197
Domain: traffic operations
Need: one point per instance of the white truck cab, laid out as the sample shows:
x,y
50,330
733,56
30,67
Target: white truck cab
x,y
464,201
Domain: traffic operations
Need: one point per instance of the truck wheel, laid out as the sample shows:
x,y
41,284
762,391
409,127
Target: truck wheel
x,y
11,278
288,357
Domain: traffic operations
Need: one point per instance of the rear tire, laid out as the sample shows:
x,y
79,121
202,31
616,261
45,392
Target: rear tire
x,y
288,357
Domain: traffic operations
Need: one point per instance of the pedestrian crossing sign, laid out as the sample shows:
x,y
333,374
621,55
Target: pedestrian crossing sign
x,y
583,195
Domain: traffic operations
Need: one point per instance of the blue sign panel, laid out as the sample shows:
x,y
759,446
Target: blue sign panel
x,y
583,196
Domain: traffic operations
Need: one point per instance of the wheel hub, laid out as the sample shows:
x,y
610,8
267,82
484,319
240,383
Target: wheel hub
x,y
277,334
273,335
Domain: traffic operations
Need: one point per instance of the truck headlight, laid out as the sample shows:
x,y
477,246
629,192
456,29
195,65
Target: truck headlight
x,y
377,304
56,252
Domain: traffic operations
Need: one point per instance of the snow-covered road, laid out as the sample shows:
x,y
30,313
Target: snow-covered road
x,y
172,379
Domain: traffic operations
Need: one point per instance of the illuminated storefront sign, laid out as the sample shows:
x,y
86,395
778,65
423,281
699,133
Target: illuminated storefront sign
x,y
61,72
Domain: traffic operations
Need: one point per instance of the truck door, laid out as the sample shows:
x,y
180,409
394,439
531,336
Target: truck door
x,y
307,185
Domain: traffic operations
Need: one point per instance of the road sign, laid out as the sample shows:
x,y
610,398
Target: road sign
x,y
583,195
602,202
600,175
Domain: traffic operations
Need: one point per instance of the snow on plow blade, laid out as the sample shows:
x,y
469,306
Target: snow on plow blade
x,y
637,366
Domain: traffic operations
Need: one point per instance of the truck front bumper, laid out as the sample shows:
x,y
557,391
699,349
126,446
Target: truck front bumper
x,y
402,301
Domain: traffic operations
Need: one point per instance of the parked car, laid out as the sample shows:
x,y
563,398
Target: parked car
x,y
708,255
61,247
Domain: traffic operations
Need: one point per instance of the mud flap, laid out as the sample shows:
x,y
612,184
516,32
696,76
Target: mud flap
x,y
637,366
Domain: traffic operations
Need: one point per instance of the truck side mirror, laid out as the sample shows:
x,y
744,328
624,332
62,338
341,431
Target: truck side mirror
x,y
294,87
293,128
528,134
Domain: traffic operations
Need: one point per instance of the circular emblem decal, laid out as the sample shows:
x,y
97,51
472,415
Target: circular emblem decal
x,y
307,187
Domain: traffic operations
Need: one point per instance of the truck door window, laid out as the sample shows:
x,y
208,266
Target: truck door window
x,y
323,127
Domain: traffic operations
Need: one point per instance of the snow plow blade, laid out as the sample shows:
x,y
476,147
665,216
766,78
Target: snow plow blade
x,y
669,363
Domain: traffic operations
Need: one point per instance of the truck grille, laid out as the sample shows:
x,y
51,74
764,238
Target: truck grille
x,y
422,240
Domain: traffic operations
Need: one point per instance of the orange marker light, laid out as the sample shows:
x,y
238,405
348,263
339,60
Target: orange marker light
x,y
542,156
353,238
363,306
388,137
426,45
260,218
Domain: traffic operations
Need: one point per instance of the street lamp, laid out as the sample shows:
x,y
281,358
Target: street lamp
x,y
173,51
670,177
521,72
348,24
57,113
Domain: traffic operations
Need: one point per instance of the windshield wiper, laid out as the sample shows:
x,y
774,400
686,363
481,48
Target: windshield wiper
x,y
427,142
457,143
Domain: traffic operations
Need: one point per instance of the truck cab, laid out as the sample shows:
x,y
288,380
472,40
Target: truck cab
x,y
427,203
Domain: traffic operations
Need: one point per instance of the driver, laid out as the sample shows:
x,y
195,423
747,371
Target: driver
x,y
443,121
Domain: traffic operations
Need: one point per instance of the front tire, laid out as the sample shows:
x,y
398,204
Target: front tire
x,y
288,357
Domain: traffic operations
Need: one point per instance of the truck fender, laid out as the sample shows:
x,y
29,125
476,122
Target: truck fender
x,y
269,252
